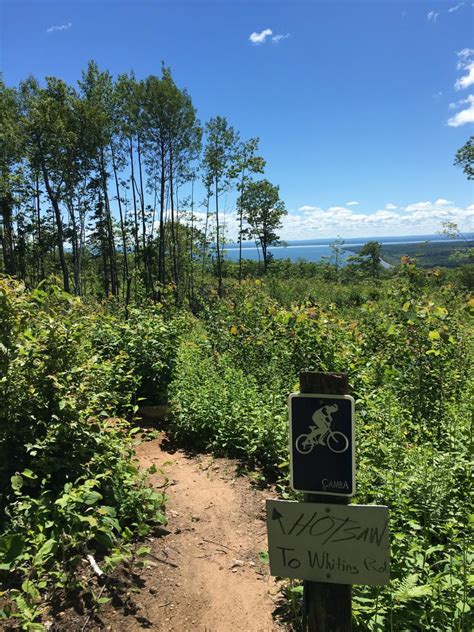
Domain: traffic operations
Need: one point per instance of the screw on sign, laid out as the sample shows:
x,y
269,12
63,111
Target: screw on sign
x,y
322,445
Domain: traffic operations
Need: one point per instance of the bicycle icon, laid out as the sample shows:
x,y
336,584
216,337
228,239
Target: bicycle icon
x,y
322,433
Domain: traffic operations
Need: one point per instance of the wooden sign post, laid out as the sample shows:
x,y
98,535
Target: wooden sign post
x,y
327,607
325,541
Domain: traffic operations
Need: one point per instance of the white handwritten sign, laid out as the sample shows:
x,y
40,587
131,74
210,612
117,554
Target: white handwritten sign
x,y
337,544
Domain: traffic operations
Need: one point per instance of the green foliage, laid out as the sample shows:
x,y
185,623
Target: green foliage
x,y
263,211
465,158
146,342
68,482
406,346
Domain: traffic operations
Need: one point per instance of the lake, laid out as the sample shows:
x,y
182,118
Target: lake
x,y
318,249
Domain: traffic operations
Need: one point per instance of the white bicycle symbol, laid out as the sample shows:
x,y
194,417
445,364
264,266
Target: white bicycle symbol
x,y
322,433
336,441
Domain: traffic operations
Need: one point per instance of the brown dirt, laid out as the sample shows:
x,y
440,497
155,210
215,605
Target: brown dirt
x,y
205,575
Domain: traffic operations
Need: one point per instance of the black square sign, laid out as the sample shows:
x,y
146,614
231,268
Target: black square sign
x,y
322,444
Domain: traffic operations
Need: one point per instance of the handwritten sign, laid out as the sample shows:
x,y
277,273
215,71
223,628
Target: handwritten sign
x,y
337,544
322,445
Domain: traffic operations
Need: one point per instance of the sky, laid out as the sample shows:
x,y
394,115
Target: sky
x,y
359,106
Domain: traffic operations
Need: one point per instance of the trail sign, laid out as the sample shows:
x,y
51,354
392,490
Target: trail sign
x,y
322,444
337,544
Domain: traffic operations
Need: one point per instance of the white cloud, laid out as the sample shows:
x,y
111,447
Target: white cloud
x,y
418,206
456,7
432,16
465,53
468,79
311,221
279,37
414,219
309,209
464,116
259,38
352,203
62,27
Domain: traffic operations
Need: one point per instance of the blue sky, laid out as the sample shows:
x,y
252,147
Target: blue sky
x,y
359,106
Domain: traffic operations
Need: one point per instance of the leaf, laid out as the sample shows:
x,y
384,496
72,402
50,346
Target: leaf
x,y
90,520
91,497
17,482
11,548
30,589
434,335
45,552
143,551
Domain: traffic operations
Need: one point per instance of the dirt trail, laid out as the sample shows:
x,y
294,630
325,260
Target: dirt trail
x,y
211,578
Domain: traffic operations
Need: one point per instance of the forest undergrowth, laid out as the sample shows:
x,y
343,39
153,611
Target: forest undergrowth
x,y
73,372
406,346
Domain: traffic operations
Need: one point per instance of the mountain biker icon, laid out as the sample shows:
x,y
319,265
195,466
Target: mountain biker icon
x,y
322,433
322,450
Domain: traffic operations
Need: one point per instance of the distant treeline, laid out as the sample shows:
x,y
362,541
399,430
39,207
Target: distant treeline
x,y
427,254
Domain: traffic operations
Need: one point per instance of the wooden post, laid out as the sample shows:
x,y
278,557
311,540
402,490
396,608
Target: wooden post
x,y
327,606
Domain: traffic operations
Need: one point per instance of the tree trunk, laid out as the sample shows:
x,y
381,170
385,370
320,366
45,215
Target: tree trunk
x,y
204,245
161,245
218,246
143,218
191,253
173,229
38,228
75,249
59,226
241,221
9,263
103,242
110,231
135,211
122,224
21,247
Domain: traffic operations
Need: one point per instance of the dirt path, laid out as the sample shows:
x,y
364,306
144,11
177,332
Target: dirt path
x,y
211,579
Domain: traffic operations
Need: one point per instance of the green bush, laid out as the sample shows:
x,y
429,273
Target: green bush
x,y
68,482
407,349
216,406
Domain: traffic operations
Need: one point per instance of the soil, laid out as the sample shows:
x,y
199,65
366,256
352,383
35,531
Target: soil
x,y
205,574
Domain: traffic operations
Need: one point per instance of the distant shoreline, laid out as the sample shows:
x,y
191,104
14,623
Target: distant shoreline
x,y
352,241
428,250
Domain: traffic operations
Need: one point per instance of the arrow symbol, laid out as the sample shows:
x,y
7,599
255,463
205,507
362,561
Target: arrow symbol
x,y
276,515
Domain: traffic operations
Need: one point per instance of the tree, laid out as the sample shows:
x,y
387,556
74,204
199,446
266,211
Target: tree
x,y
128,120
183,133
10,155
465,158
97,92
246,163
52,132
219,155
263,212
369,258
